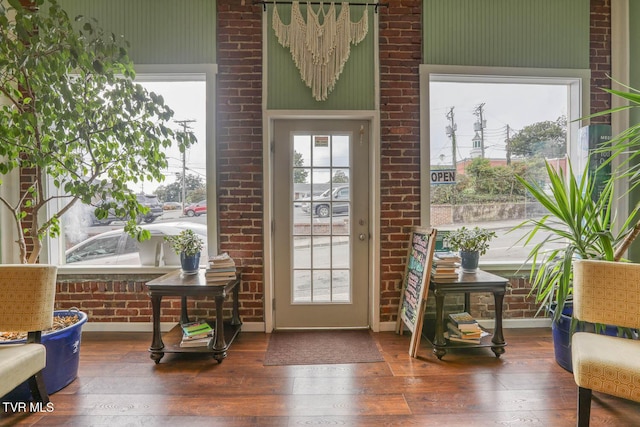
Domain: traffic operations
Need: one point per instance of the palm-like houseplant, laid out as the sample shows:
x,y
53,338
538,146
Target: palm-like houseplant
x,y
578,225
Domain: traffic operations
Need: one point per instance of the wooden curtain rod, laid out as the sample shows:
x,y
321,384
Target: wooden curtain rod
x,y
265,3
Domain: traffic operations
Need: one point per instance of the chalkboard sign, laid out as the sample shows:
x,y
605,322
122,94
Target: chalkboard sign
x,y
416,284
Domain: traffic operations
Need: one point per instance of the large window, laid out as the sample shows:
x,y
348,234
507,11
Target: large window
x,y
176,203
482,128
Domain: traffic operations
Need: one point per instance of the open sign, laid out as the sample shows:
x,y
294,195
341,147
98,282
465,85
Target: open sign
x,y
443,176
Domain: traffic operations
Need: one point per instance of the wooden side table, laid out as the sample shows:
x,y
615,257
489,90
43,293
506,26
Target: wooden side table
x,y
480,281
177,284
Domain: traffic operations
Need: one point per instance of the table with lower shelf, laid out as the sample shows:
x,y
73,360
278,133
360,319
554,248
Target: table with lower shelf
x,y
466,283
196,285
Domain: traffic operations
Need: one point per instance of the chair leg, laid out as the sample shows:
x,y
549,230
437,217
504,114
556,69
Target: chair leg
x,y
584,407
38,389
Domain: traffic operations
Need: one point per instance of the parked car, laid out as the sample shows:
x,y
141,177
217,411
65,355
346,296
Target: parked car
x,y
196,209
171,206
148,200
116,247
335,201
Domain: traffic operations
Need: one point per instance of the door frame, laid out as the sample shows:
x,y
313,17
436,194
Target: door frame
x,y
374,204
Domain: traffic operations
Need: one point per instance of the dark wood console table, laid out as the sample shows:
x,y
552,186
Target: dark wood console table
x,y
480,281
177,284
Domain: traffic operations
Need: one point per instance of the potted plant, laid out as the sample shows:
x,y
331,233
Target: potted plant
x,y
72,117
471,243
74,127
188,245
578,225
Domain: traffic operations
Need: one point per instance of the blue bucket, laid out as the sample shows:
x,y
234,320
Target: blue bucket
x,y
63,357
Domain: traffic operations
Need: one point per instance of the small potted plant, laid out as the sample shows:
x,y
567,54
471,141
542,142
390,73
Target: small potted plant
x,y
188,245
471,243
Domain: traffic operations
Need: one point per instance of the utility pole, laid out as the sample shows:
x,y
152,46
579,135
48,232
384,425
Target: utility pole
x,y
451,133
508,146
185,126
480,125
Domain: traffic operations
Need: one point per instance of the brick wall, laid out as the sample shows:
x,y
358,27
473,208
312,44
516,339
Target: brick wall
x,y
239,133
123,298
240,174
600,57
400,58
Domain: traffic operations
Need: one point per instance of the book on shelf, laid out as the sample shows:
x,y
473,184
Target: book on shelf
x,y
444,269
455,338
435,274
465,334
197,329
195,342
222,260
221,277
445,265
461,318
444,256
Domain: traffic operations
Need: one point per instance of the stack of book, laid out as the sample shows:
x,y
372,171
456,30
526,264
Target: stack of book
x,y
221,268
196,334
444,265
462,327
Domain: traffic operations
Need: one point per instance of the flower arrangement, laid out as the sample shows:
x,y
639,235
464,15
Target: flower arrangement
x,y
186,242
469,239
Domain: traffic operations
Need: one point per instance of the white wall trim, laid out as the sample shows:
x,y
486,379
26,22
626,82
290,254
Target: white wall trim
x,y
148,327
260,326
490,323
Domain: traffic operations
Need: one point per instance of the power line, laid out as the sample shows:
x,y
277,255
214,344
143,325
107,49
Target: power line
x,y
185,126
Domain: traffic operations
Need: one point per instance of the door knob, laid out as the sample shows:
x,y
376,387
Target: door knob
x,y
362,236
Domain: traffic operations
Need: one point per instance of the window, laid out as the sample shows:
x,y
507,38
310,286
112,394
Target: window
x,y
87,240
484,126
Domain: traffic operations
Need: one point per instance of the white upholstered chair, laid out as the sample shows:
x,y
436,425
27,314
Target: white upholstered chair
x,y
27,294
607,293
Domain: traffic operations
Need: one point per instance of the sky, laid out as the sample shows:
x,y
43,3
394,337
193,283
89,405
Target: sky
x,y
188,101
505,104
515,105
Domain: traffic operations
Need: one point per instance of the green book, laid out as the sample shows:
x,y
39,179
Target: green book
x,y
200,327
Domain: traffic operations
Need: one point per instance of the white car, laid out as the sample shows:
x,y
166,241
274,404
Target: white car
x,y
116,247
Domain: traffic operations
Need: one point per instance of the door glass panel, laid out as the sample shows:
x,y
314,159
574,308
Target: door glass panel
x,y
322,219
340,285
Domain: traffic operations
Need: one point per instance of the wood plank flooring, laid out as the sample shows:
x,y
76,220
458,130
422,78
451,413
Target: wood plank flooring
x,y
119,385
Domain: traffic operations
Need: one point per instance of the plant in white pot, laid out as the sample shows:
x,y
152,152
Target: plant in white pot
x,y
471,243
188,245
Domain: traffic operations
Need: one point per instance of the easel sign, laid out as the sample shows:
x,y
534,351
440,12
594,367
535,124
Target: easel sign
x,y
416,285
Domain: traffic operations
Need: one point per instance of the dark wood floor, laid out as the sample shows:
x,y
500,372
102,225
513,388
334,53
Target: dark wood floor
x,y
118,385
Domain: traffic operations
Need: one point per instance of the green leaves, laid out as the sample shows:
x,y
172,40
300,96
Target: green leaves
x,y
75,119
186,242
469,239
577,226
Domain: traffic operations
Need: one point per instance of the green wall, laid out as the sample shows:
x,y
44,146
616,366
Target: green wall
x,y
634,81
507,33
355,88
159,31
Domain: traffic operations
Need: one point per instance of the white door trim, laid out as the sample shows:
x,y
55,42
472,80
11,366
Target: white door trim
x,y
374,208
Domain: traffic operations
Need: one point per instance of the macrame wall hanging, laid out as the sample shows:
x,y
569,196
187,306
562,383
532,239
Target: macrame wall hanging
x,y
320,50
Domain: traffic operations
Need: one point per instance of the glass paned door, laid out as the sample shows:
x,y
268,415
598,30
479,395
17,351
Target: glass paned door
x,y
322,281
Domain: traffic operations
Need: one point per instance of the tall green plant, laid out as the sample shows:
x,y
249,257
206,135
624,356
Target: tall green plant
x,y
575,227
71,113
625,147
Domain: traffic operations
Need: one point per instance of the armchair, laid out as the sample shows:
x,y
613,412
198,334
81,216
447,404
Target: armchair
x,y
605,293
27,294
